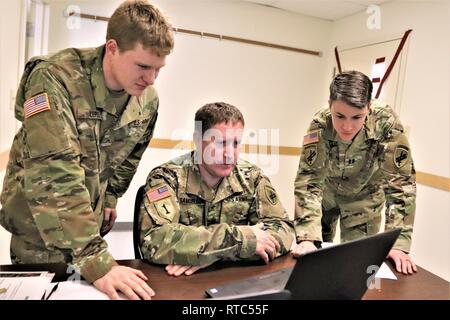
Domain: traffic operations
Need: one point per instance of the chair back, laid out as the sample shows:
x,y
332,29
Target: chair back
x,y
136,230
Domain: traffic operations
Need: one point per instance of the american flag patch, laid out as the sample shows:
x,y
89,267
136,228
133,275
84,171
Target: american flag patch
x,y
36,104
311,137
158,193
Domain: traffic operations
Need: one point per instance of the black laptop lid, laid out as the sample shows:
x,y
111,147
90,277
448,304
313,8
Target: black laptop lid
x,y
343,271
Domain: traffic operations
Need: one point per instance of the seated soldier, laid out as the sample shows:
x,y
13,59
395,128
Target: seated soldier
x,y
207,205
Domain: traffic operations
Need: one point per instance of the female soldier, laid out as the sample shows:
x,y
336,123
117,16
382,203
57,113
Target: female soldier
x,y
355,160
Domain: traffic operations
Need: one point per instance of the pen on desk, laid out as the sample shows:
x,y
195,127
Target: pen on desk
x,y
52,291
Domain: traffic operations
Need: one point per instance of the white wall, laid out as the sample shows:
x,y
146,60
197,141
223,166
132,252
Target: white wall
x,y
10,62
425,109
431,240
11,51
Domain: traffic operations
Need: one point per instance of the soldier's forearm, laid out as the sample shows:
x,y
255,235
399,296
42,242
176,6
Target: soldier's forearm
x,y
192,245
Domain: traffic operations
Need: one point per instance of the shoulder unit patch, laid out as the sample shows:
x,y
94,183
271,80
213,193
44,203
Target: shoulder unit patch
x,y
400,156
310,154
271,195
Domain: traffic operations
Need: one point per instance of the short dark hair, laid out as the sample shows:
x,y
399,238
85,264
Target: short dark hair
x,y
352,87
137,21
217,112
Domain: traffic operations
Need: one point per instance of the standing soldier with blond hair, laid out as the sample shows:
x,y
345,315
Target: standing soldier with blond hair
x,y
87,117
355,160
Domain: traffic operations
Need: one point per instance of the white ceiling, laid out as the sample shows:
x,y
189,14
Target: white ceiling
x,y
324,9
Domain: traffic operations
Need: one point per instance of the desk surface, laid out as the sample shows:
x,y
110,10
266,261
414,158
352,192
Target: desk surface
x,y
421,286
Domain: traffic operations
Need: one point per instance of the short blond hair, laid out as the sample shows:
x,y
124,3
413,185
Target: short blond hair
x,y
138,21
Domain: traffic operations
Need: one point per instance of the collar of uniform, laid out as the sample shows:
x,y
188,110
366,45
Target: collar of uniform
x,y
193,180
134,110
324,117
229,186
98,81
195,185
369,125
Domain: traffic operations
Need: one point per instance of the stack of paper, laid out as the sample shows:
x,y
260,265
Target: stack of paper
x,y
77,290
24,285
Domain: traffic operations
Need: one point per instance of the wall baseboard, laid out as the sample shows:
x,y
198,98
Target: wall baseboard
x,y
431,180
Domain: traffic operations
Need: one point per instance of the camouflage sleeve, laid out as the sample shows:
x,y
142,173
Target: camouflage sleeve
x,y
308,187
400,185
54,182
165,240
269,210
121,179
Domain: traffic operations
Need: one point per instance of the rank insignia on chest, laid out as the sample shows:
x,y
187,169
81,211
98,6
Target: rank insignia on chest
x,y
310,154
36,105
400,156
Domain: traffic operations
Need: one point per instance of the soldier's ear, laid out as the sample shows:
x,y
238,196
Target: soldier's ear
x,y
111,47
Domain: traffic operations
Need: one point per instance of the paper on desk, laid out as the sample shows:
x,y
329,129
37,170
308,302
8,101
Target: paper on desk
x,y
78,290
24,285
383,273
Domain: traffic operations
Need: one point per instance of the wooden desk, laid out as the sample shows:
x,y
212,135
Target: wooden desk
x,y
421,286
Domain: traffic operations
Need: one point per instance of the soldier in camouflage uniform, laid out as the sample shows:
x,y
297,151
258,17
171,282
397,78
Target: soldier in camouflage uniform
x,y
355,160
207,205
87,117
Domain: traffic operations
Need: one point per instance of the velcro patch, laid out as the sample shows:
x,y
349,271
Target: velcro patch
x,y
158,193
165,209
36,105
311,137
271,195
400,156
310,154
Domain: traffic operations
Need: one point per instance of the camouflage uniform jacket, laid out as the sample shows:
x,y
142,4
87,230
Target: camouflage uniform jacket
x,y
378,157
62,172
184,222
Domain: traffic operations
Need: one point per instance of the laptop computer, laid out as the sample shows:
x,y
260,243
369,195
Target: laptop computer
x,y
343,271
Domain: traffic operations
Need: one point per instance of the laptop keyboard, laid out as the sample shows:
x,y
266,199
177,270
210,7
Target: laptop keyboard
x,y
269,281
